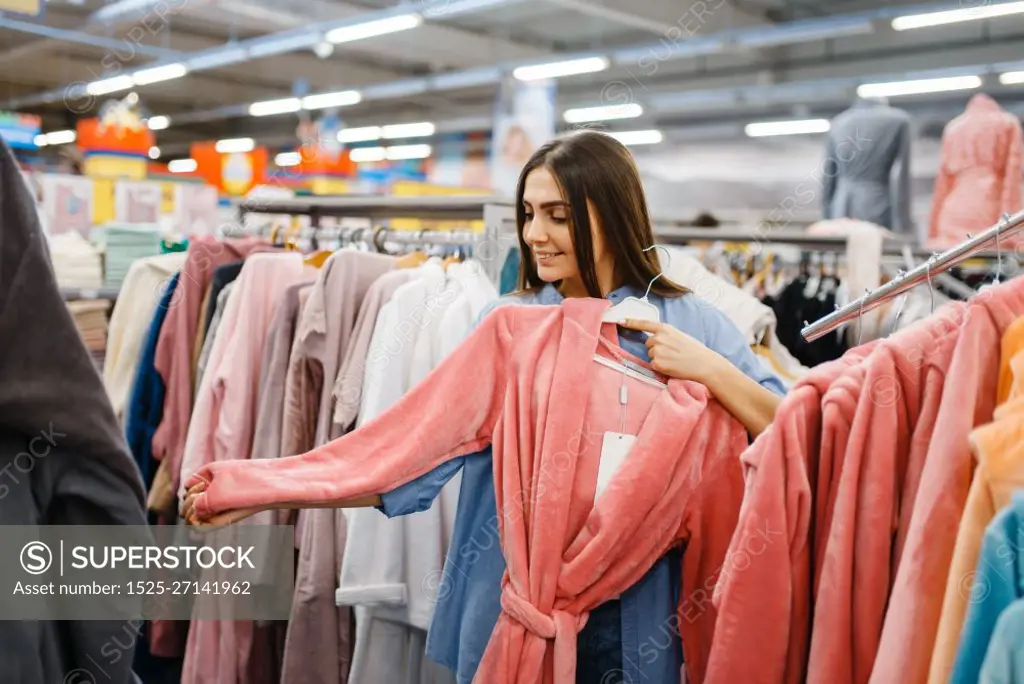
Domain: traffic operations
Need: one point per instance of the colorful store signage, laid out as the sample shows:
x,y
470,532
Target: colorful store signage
x,y
30,8
19,130
233,173
118,132
116,146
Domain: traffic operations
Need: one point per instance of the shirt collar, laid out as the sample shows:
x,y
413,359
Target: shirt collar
x,y
549,294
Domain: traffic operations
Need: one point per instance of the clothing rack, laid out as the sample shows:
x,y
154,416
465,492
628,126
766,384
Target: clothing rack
x,y
74,293
489,247
936,264
760,234
732,218
459,238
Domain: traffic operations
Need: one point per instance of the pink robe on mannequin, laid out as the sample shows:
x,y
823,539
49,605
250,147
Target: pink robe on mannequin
x,y
516,383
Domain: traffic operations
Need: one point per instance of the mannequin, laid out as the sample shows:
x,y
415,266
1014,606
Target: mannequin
x,y
979,175
867,166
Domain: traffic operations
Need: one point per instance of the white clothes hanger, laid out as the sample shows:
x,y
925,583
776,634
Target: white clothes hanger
x,y
629,372
631,307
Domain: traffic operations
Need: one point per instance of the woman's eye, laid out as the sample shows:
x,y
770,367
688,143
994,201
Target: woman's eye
x,y
528,215
559,219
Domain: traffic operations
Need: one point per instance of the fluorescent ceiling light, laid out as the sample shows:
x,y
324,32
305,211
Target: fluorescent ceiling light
x,y
605,113
229,145
651,137
369,29
40,140
56,137
216,57
157,74
342,98
412,130
368,154
182,165
927,85
158,123
800,127
1012,78
288,159
109,85
271,107
408,151
347,135
982,11
154,152
557,69
405,87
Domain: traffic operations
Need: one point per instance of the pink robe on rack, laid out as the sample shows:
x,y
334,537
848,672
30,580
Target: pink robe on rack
x,y
890,422
764,594
516,383
968,400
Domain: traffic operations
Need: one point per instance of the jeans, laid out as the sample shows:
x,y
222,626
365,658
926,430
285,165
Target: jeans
x,y
599,647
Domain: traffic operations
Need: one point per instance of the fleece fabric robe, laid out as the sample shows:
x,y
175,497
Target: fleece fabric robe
x,y
999,472
62,456
980,172
764,593
891,422
566,553
968,400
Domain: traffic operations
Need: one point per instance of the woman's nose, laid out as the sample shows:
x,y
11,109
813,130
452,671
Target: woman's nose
x,y
534,234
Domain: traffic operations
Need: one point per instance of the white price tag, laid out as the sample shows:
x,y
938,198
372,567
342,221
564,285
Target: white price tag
x,y
614,450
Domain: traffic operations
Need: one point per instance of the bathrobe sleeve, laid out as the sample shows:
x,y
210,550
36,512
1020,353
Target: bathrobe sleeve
x,y
452,412
419,494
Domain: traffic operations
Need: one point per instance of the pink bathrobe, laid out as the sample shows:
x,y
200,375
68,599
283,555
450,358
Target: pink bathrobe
x,y
764,596
516,383
968,400
890,420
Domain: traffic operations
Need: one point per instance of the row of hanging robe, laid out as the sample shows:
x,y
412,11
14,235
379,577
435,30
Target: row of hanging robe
x,y
295,407
882,521
281,352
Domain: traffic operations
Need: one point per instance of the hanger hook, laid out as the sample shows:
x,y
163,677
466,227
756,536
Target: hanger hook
x,y
860,315
999,252
661,272
928,275
900,275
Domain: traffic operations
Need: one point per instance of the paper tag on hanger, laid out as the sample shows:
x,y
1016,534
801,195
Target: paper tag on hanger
x,y
614,450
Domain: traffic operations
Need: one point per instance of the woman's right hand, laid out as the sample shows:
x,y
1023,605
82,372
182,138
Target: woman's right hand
x,y
188,511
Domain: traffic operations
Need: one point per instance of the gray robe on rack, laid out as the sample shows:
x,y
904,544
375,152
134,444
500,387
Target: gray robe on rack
x,y
84,474
866,173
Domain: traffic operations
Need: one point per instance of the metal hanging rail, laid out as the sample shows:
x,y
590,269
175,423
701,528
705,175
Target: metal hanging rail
x,y
496,212
938,263
797,238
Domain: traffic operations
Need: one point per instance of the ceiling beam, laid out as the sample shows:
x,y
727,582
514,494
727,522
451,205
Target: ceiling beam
x,y
282,42
613,15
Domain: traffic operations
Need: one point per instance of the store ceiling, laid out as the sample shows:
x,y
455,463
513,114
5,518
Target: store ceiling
x,y
783,59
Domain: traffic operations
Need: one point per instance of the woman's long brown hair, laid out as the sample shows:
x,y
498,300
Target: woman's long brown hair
x,y
594,166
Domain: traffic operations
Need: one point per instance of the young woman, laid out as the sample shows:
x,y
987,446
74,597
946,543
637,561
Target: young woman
x,y
584,231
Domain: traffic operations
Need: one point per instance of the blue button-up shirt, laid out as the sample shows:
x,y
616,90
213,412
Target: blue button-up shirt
x,y
469,593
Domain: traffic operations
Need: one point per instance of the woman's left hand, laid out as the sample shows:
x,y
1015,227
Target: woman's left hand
x,y
676,354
